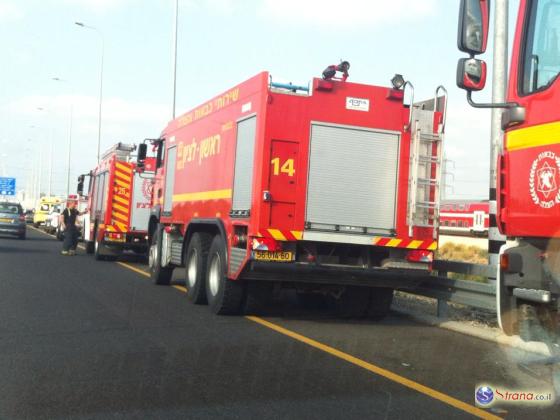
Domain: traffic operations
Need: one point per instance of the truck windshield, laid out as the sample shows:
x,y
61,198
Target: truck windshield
x,y
541,57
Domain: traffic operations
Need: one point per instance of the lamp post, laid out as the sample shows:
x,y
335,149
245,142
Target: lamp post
x,y
83,25
176,27
50,154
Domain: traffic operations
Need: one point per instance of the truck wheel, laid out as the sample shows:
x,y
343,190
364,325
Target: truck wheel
x,y
196,258
380,303
159,275
98,249
353,303
258,298
224,295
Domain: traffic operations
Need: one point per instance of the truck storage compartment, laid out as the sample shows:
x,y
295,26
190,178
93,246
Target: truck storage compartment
x,y
352,185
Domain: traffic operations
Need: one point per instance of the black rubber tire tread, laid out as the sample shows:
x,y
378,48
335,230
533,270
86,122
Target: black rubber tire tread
x,y
258,298
201,241
230,294
353,303
98,254
90,247
160,275
380,303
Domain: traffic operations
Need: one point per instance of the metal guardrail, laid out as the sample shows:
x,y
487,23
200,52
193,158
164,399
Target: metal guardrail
x,y
464,292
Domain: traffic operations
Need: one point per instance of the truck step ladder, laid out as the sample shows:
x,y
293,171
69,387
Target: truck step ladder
x,y
426,158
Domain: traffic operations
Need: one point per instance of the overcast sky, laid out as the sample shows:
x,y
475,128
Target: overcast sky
x,y
221,43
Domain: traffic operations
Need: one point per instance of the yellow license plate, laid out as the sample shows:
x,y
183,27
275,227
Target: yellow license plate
x,y
278,256
4,220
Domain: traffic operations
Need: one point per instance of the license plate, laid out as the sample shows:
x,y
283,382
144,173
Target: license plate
x,y
278,256
4,220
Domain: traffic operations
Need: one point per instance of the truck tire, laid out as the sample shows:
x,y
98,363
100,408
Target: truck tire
x,y
258,298
196,257
380,303
353,302
159,275
224,296
98,249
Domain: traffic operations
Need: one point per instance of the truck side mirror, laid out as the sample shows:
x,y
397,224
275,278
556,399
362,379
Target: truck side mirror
x,y
474,19
80,188
471,74
142,152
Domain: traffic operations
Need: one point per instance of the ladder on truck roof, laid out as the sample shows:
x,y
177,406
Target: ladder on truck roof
x,y
122,151
426,158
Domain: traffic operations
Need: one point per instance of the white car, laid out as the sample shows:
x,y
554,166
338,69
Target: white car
x,y
52,220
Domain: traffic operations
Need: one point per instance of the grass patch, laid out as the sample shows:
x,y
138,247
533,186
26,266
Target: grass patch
x,y
458,252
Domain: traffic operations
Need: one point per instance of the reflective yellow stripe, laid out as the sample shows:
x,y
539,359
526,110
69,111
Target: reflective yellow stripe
x,y
124,168
123,177
121,208
276,234
394,243
121,226
538,135
122,184
110,229
433,246
375,240
121,217
203,195
120,200
415,244
297,234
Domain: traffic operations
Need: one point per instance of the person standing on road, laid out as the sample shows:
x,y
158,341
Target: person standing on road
x,y
69,228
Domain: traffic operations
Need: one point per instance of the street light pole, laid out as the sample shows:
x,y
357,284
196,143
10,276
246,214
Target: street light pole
x,y
100,84
176,27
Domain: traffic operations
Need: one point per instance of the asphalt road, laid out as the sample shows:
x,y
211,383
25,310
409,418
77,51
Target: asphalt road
x,y
87,339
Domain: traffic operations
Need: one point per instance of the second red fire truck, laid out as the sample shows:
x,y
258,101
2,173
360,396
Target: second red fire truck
x,y
119,204
331,189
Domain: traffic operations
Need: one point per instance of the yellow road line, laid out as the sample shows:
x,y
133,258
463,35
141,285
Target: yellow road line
x,y
136,270
377,370
180,288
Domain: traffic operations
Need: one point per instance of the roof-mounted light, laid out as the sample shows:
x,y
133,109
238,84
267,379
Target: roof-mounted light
x,y
398,81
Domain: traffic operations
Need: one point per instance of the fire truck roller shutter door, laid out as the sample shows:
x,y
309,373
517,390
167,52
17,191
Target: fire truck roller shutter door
x,y
244,157
169,179
352,179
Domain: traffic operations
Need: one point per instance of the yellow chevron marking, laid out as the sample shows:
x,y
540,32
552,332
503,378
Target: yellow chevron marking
x,y
121,226
124,177
375,240
122,184
121,217
415,244
276,234
433,246
123,168
120,208
393,243
120,200
202,195
297,234
110,228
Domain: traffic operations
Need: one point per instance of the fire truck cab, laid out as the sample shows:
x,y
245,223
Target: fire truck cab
x,y
331,188
528,168
118,204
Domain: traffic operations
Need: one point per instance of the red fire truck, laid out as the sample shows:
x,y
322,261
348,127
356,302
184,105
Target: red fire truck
x,y
331,188
464,218
528,191
119,204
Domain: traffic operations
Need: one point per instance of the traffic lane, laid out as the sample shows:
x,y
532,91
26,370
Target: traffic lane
x,y
85,338
445,361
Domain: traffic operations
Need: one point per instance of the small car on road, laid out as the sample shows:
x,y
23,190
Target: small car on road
x,y
12,219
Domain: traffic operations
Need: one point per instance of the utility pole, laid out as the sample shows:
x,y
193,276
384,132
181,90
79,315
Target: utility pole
x,y
499,85
176,28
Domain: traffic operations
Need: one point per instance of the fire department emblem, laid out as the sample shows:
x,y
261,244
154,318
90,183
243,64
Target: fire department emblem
x,y
544,180
147,187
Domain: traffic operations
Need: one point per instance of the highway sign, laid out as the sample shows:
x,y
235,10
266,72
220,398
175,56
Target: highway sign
x,y
7,186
